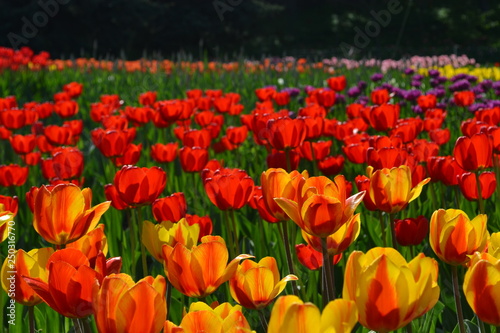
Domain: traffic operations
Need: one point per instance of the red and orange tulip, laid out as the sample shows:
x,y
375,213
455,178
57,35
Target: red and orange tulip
x,y
454,237
138,186
32,264
290,314
322,206
388,291
228,188
199,271
256,284
63,213
69,285
120,305
277,183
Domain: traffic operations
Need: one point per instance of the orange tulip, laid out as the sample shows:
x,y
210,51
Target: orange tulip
x,y
199,271
62,214
454,237
340,240
291,315
68,288
482,287
154,236
203,318
388,291
255,285
32,264
322,207
91,244
277,183
391,189
120,305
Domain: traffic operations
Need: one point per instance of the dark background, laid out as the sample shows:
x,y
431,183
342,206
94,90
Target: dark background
x,y
255,28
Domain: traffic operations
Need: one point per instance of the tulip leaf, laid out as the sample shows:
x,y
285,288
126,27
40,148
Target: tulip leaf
x,y
432,317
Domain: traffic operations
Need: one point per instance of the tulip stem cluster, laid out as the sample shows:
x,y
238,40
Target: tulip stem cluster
x,y
230,236
382,228
480,202
456,293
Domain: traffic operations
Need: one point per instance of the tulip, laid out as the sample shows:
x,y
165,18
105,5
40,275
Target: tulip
x,y
139,186
337,83
23,144
148,98
91,244
255,285
32,264
411,231
10,204
120,305
277,183
199,271
482,285
13,175
322,206
285,133
391,189
290,314
228,188
68,288
464,98
154,236
389,292
6,223
382,117
473,153
63,214
164,153
193,159
468,185
380,96
203,318
454,237
171,208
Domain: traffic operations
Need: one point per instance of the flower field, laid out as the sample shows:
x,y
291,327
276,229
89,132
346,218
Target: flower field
x,y
278,195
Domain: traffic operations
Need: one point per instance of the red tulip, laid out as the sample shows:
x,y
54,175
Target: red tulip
x,y
139,186
193,159
468,185
23,144
228,188
464,98
337,83
164,153
171,208
473,153
13,175
411,231
380,96
285,133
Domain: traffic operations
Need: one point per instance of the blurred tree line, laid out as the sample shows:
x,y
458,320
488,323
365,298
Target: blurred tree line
x,y
225,28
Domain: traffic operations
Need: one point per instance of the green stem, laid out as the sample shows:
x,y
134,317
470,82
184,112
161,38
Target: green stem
x,y
457,197
393,232
140,223
314,162
481,325
286,241
133,246
263,320
31,315
456,293
382,228
327,271
235,232
433,195
229,235
409,328
77,325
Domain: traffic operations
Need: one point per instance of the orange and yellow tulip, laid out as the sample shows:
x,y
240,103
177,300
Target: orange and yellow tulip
x,y
388,291
6,218
391,189
322,206
68,288
340,240
120,305
290,314
199,271
63,214
32,264
154,236
256,284
277,183
93,243
223,318
482,287
454,237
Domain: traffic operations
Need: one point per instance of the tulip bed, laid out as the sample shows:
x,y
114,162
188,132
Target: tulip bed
x,y
193,196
